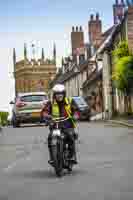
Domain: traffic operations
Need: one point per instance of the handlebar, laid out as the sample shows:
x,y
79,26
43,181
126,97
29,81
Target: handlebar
x,y
60,119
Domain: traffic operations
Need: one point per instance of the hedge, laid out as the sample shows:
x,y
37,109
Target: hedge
x,y
3,118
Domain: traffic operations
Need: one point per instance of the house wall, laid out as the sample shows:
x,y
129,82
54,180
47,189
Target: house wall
x,y
106,85
114,99
125,33
80,80
72,86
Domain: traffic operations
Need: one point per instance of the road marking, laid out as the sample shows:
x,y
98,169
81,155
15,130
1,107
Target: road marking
x,y
14,164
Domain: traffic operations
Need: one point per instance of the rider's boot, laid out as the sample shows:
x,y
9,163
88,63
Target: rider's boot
x,y
74,159
73,156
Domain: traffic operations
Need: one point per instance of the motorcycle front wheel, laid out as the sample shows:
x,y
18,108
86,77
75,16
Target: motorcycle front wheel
x,y
57,151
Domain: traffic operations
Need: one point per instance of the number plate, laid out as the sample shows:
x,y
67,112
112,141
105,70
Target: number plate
x,y
56,133
54,141
35,114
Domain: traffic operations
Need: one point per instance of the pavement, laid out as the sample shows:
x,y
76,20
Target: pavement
x,y
104,171
128,122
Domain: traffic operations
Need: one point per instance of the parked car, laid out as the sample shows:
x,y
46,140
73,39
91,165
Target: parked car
x,y
82,107
27,107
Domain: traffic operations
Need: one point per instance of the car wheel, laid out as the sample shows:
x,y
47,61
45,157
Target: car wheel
x,y
15,123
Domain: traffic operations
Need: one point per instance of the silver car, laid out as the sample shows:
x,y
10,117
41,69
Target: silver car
x,y
27,107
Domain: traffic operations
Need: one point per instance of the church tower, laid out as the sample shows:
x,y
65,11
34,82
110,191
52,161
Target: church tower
x,y
33,75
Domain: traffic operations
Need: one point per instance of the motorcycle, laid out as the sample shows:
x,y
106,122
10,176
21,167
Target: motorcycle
x,y
59,147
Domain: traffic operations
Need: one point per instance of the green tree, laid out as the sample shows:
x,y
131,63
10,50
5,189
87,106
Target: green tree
x,y
121,50
123,72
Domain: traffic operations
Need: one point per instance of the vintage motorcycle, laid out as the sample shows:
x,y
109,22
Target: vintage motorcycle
x,y
59,147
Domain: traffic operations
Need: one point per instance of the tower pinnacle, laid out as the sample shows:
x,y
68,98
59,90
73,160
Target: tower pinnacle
x,y
54,53
25,51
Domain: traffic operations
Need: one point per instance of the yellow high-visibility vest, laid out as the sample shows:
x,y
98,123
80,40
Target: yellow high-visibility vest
x,y
56,112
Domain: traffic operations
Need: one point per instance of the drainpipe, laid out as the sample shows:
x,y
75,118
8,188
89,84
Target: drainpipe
x,y
78,86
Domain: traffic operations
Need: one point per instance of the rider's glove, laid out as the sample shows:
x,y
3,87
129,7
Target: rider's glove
x,y
76,116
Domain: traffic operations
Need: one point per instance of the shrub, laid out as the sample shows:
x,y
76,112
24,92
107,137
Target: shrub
x,y
4,118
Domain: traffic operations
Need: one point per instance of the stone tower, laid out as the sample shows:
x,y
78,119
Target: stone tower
x,y
33,75
118,11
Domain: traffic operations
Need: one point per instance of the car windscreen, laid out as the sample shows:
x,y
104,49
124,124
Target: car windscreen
x,y
34,98
80,101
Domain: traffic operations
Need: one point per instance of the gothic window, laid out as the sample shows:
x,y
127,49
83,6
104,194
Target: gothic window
x,y
21,84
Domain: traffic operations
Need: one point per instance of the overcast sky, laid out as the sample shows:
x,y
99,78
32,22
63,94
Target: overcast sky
x,y
44,22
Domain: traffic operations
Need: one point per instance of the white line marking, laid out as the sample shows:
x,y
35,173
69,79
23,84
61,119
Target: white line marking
x,y
14,164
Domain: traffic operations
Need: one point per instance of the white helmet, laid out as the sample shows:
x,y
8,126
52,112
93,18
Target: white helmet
x,y
59,88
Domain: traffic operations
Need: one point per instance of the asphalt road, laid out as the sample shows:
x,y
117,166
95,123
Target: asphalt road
x,y
104,172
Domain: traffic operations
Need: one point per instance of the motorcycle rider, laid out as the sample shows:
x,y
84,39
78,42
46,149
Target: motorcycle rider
x,y
61,106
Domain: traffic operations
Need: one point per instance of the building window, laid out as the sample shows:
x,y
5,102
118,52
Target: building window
x,y
81,58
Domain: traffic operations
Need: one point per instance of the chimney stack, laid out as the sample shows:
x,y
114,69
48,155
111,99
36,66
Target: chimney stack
x,y
118,11
77,39
95,28
122,2
116,2
130,27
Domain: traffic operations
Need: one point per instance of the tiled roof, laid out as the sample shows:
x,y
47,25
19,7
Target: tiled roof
x,y
55,80
69,75
63,77
109,40
108,32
